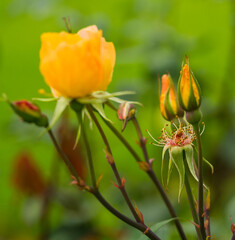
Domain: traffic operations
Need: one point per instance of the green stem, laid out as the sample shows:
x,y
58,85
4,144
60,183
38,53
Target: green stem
x,y
156,181
144,229
190,198
140,226
141,139
113,165
89,156
200,181
123,140
150,173
63,156
208,229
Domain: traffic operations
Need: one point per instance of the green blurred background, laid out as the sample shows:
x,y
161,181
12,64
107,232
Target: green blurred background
x,y
151,38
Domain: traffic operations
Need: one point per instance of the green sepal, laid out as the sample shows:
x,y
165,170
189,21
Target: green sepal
x,y
99,107
190,161
209,164
45,99
99,97
170,167
177,158
61,105
166,147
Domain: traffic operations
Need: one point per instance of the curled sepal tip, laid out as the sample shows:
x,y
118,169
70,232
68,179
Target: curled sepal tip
x,y
126,112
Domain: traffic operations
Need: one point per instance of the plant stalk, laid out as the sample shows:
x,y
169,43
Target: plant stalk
x,y
191,199
154,178
150,173
89,156
200,181
113,165
140,226
63,156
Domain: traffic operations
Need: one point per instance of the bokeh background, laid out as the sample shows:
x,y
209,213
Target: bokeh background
x,y
151,38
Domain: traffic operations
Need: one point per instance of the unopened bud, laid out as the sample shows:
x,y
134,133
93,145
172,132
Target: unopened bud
x,y
126,112
29,113
169,106
189,92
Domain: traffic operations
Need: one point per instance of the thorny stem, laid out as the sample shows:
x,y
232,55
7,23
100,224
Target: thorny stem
x,y
208,229
63,156
154,178
200,181
142,140
113,165
123,140
151,174
190,198
90,162
140,226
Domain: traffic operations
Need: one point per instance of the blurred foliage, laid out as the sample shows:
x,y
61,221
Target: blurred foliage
x,y
151,37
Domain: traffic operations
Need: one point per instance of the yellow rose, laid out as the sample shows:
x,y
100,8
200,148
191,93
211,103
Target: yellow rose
x,y
75,65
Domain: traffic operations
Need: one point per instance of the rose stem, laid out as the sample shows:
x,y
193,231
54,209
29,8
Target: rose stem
x,y
63,156
144,229
154,178
150,172
200,181
190,198
113,165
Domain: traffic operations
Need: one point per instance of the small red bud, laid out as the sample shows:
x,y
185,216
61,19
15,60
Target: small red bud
x,y
29,113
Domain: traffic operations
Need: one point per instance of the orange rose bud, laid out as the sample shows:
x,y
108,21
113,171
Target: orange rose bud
x,y
189,92
29,113
75,65
169,106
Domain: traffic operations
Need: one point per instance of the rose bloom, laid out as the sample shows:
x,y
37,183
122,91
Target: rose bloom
x,y
75,65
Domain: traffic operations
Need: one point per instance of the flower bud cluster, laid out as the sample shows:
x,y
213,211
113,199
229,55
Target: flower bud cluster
x,y
188,98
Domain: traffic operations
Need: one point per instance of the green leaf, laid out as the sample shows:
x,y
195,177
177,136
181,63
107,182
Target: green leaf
x,y
177,157
100,109
157,226
61,105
